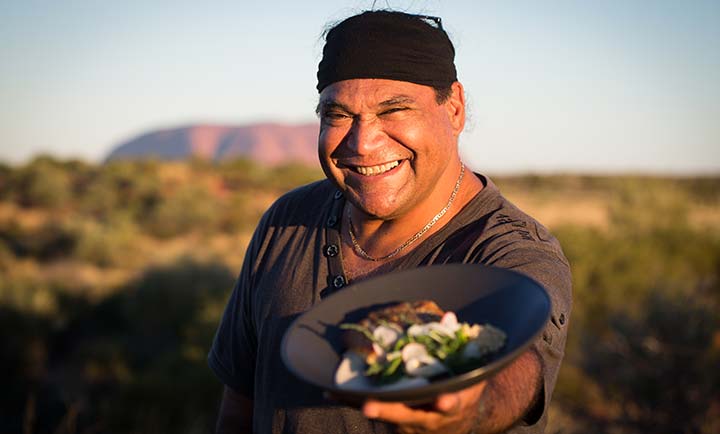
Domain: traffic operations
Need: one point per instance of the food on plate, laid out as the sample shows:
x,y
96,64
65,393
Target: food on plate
x,y
410,344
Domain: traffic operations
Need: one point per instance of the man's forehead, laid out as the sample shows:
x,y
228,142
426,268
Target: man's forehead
x,y
379,91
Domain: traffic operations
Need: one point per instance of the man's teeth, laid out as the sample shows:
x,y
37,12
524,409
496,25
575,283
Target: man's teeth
x,y
376,170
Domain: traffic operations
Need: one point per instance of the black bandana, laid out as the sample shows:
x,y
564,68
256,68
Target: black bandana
x,y
390,45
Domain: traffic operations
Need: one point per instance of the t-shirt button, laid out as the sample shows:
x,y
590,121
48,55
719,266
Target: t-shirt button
x,y
338,282
338,194
331,250
547,337
562,319
332,221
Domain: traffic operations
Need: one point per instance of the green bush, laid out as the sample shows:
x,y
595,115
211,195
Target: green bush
x,y
240,213
658,368
133,362
42,183
108,244
149,343
6,172
51,240
122,187
191,208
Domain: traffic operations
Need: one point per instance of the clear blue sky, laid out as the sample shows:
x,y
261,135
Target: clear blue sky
x,y
556,85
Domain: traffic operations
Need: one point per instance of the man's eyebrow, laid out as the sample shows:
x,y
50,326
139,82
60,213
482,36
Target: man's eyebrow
x,y
330,104
397,100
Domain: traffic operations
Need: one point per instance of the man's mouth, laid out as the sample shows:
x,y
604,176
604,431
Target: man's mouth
x,y
374,170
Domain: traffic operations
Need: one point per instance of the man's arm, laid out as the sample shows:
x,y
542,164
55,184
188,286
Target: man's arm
x,y
236,412
510,394
491,406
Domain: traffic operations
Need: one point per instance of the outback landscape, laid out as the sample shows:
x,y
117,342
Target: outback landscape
x,y
113,277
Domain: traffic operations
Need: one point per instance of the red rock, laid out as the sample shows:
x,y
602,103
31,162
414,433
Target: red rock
x,y
266,143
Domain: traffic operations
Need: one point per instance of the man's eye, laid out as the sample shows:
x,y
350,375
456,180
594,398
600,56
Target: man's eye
x,y
335,115
393,110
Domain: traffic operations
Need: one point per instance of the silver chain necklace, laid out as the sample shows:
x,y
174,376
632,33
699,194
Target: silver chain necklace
x,y
359,250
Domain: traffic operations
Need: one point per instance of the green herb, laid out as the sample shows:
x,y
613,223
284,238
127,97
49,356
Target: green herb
x,y
401,342
374,369
358,328
393,367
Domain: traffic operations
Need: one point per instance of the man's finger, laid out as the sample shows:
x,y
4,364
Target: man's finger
x,y
393,412
448,403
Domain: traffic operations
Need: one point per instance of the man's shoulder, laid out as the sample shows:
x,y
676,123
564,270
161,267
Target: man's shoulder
x,y
500,225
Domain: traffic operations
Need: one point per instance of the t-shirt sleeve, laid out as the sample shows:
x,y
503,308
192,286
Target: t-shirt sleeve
x,y
232,355
233,352
544,263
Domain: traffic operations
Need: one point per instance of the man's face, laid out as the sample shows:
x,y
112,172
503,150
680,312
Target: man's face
x,y
388,144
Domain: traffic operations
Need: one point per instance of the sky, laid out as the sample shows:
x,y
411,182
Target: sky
x,y
612,86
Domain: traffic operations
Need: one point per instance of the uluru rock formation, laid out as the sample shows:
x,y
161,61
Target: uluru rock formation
x,y
265,143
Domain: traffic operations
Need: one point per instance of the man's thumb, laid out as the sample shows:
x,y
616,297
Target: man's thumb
x,y
448,404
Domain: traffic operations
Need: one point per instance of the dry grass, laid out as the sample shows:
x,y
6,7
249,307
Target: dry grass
x,y
565,209
705,217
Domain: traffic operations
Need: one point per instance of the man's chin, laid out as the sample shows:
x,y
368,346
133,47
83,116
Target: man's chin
x,y
376,209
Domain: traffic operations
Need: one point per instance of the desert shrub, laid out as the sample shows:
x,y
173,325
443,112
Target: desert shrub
x,y
246,174
111,243
27,294
641,206
42,183
122,187
24,345
133,362
50,240
190,208
644,325
240,213
242,174
655,371
6,256
704,190
292,175
147,348
5,177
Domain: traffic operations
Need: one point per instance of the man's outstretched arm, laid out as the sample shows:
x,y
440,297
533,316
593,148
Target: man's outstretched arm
x,y
491,406
235,414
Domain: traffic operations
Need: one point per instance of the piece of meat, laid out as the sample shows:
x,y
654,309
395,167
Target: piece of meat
x,y
404,314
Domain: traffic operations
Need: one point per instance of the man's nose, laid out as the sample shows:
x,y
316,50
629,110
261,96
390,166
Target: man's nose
x,y
365,136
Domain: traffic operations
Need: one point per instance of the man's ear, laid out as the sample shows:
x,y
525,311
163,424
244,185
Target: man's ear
x,y
456,107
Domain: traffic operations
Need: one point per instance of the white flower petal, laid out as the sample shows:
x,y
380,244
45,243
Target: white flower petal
x,y
350,372
427,367
489,340
442,329
417,330
386,336
450,320
413,350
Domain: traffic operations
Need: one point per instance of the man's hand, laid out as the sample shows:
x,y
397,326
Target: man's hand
x,y
491,406
451,413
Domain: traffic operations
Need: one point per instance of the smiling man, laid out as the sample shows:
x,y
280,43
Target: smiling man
x,y
397,196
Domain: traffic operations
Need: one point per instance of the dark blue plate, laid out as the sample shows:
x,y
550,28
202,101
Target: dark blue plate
x,y
519,306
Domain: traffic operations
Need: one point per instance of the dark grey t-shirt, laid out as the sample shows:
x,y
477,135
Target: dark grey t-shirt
x,y
288,269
